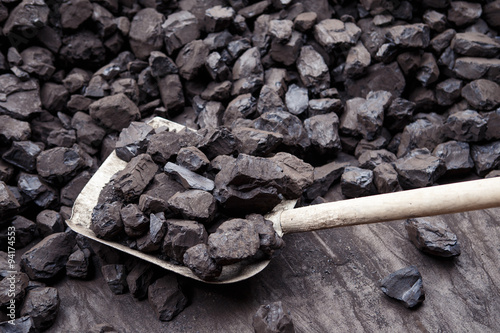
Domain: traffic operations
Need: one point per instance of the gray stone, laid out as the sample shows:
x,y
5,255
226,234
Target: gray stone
x,y
42,305
305,21
467,126
464,12
486,157
254,10
114,112
324,106
198,259
473,44
410,35
191,59
385,178
146,33
192,159
433,237
358,59
332,33
456,156
405,285
281,30
218,18
322,130
188,178
356,182
482,94
181,235
287,52
248,73
419,169
297,99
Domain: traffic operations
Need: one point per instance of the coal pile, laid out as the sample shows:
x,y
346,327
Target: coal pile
x,y
286,98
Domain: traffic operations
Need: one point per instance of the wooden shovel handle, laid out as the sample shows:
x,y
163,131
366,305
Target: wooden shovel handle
x,y
435,200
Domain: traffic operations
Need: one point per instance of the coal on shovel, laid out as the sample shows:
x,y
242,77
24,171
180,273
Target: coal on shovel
x,y
436,200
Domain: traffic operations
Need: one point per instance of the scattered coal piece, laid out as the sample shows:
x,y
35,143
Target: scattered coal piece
x,y
179,29
166,297
464,13
114,112
432,237
332,33
385,178
419,169
272,318
154,199
78,265
188,178
42,305
49,222
233,241
474,44
8,202
134,222
106,220
146,32
248,73
182,235
198,259
133,140
194,205
218,141
23,154
37,190
20,282
356,182
370,159
192,159
256,142
25,231
134,178
13,130
163,145
140,278
87,131
405,285
425,132
191,59
115,276
269,239
20,99
152,241
47,258
485,156
482,94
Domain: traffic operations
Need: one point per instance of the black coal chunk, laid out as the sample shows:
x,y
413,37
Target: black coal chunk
x,y
133,140
152,241
433,237
106,220
25,231
140,278
42,305
8,202
49,222
404,285
166,297
20,282
356,182
78,265
155,197
115,276
198,259
181,235
133,179
194,205
59,164
134,222
272,318
23,154
419,169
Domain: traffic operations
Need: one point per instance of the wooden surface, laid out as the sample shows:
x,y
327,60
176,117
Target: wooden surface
x,y
328,280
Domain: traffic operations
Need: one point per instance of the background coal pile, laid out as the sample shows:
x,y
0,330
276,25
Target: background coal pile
x,y
378,96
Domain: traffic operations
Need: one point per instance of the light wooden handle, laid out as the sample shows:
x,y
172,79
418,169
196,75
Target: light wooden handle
x,y
435,200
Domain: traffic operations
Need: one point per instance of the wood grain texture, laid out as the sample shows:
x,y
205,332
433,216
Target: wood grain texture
x,y
328,280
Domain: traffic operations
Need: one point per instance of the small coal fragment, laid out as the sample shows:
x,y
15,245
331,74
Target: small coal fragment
x,y
181,235
432,237
146,33
47,258
256,142
192,159
191,59
25,231
106,220
140,278
425,132
356,182
115,276
233,241
216,67
332,33
474,44
218,18
405,285
218,141
74,13
269,239
297,174
286,52
482,94
133,179
419,169
133,140
410,35
166,297
370,159
198,259
20,100
210,115
428,71
272,318
23,155
371,114
304,21
217,91
486,157
42,305
188,178
70,191
194,205
59,164
152,241
385,178
134,222
37,190
154,199
18,282
78,264
38,61
114,112
448,91
269,99
248,73
464,13
49,222
84,47
87,131
297,99
162,146
8,201
466,126
179,29
358,59
380,76
13,130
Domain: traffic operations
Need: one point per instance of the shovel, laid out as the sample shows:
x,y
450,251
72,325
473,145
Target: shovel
x,y
435,200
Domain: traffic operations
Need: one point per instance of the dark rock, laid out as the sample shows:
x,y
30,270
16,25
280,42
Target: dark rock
x,y
61,138
269,100
467,126
78,103
473,44
166,297
152,241
138,173
324,106
126,86
482,94
241,107
191,59
332,33
37,190
114,112
443,40
419,169
47,258
97,87
134,221
371,114
78,264
272,318
405,285
248,73
104,20
6,171
106,220
428,71
192,159
25,231
76,79
140,278
254,10
179,29
486,157
21,325
154,199
269,239
171,93
146,32
218,141
356,182
426,132
20,99
297,99
217,91
237,47
256,142
188,178
305,21
216,67
369,159
210,115
87,131
448,91
38,61
17,281
385,178
398,114
322,130
358,59
432,237
74,13
70,191
161,65
133,140
13,130
286,124
472,68
198,259
233,241
463,12
435,20
455,156
410,35
115,276
163,146
378,77
424,98
54,96
23,154
181,235
493,124
218,18
27,16
84,47
42,305
491,13
59,164
286,52
194,205
409,62
49,222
